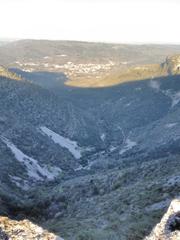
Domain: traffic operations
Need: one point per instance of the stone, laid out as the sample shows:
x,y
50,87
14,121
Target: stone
x,y
23,230
169,227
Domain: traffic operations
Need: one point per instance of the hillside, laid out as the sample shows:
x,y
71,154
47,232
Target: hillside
x,y
117,155
171,66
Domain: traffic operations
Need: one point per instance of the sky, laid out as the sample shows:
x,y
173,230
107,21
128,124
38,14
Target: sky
x,y
122,21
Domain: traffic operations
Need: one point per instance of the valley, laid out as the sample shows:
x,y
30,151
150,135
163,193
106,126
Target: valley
x,y
89,136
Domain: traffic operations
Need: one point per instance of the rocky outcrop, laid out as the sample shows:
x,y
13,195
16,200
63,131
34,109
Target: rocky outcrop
x,y
169,227
23,230
8,74
172,65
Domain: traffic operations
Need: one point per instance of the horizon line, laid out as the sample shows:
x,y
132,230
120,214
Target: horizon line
x,y
9,39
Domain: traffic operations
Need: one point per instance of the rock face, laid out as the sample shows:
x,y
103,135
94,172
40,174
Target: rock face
x,y
172,64
169,227
23,230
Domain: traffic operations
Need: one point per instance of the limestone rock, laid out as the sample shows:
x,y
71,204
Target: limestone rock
x,y
23,230
169,227
172,64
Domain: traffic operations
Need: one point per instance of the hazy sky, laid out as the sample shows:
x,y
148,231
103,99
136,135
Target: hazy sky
x,y
92,20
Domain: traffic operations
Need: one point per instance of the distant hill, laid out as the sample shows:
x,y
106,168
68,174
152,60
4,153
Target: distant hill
x,y
88,64
25,50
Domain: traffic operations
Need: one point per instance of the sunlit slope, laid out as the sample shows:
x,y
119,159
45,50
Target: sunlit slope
x,y
171,66
8,74
119,76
